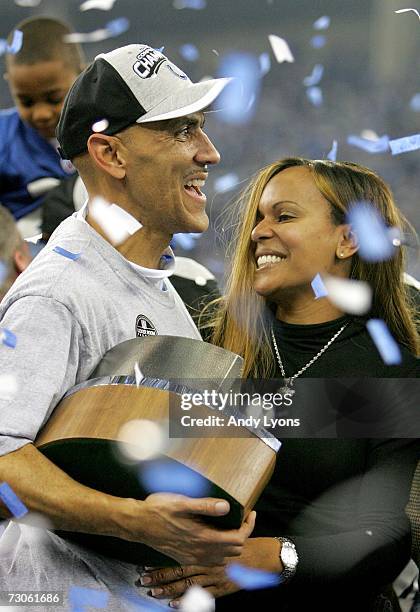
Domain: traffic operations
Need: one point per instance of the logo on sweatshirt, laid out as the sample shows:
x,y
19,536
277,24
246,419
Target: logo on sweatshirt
x,y
144,327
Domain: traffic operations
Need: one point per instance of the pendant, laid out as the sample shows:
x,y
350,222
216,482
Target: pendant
x,y
286,389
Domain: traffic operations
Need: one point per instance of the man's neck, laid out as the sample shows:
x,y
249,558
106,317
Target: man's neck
x,y
144,248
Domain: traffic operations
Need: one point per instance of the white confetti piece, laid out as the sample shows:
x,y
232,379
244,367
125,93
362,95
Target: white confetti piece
x,y
116,223
314,95
374,241
404,145
226,182
8,386
141,439
102,5
196,599
100,126
28,3
138,374
406,10
112,29
349,295
280,49
323,23
381,145
415,103
265,64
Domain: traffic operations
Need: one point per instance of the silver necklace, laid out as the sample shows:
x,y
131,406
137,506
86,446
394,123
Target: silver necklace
x,y
289,381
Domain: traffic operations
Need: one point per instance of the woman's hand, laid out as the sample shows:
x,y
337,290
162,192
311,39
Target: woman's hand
x,y
172,582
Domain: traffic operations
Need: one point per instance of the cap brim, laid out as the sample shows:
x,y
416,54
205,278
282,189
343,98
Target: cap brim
x,y
191,99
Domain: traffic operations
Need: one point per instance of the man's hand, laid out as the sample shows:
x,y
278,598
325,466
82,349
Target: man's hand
x,y
172,582
171,524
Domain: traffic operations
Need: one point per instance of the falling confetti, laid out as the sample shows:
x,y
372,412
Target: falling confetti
x,y
65,253
415,103
8,338
314,95
372,234
141,439
81,597
197,599
138,374
12,501
318,41
116,223
381,145
4,272
265,64
16,44
102,5
406,10
384,342
100,126
318,287
172,477
280,49
112,29
226,182
185,241
28,3
189,52
198,5
323,23
349,295
404,145
315,77
234,101
332,154
8,387
250,578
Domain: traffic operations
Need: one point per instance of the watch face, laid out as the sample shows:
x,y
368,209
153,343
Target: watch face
x,y
288,555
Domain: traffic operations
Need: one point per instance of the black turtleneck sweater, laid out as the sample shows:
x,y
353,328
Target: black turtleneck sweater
x,y
340,500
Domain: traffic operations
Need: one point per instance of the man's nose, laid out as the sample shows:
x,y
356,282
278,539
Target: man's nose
x,y
207,152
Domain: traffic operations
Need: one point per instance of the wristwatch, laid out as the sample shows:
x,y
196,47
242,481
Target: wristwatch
x,y
289,559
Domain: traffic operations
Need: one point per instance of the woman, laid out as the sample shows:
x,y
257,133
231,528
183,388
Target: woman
x,y
340,502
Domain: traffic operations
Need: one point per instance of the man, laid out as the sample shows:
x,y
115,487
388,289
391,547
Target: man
x,y
81,296
39,77
15,255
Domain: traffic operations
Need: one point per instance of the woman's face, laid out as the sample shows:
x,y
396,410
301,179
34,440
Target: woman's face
x,y
294,237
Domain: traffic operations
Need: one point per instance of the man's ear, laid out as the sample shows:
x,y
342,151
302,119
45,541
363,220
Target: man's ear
x,y
348,244
107,154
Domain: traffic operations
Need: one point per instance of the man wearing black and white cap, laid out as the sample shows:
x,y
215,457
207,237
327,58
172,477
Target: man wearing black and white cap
x,y
88,291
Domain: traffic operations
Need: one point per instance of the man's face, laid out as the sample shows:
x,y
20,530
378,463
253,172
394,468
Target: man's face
x,y
166,173
39,91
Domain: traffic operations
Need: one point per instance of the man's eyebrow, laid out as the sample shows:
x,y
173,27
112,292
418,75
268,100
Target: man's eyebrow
x,y
197,119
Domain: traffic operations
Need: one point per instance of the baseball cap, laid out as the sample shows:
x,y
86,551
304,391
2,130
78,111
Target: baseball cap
x,y
131,84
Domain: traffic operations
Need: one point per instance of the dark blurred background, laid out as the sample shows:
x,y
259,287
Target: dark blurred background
x,y
370,58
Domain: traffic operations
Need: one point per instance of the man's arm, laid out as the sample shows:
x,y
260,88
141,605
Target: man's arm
x,y
163,521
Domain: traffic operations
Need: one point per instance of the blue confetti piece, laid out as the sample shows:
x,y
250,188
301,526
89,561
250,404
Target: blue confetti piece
x,y
3,46
251,578
318,41
16,44
381,145
7,337
315,77
189,52
81,597
332,154
185,241
415,103
198,5
234,101
318,287
4,272
117,26
160,49
265,63
226,182
375,243
12,501
323,23
314,95
384,342
65,253
404,145
171,477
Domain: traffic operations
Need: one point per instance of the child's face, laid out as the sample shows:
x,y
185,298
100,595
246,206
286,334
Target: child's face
x,y
39,91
